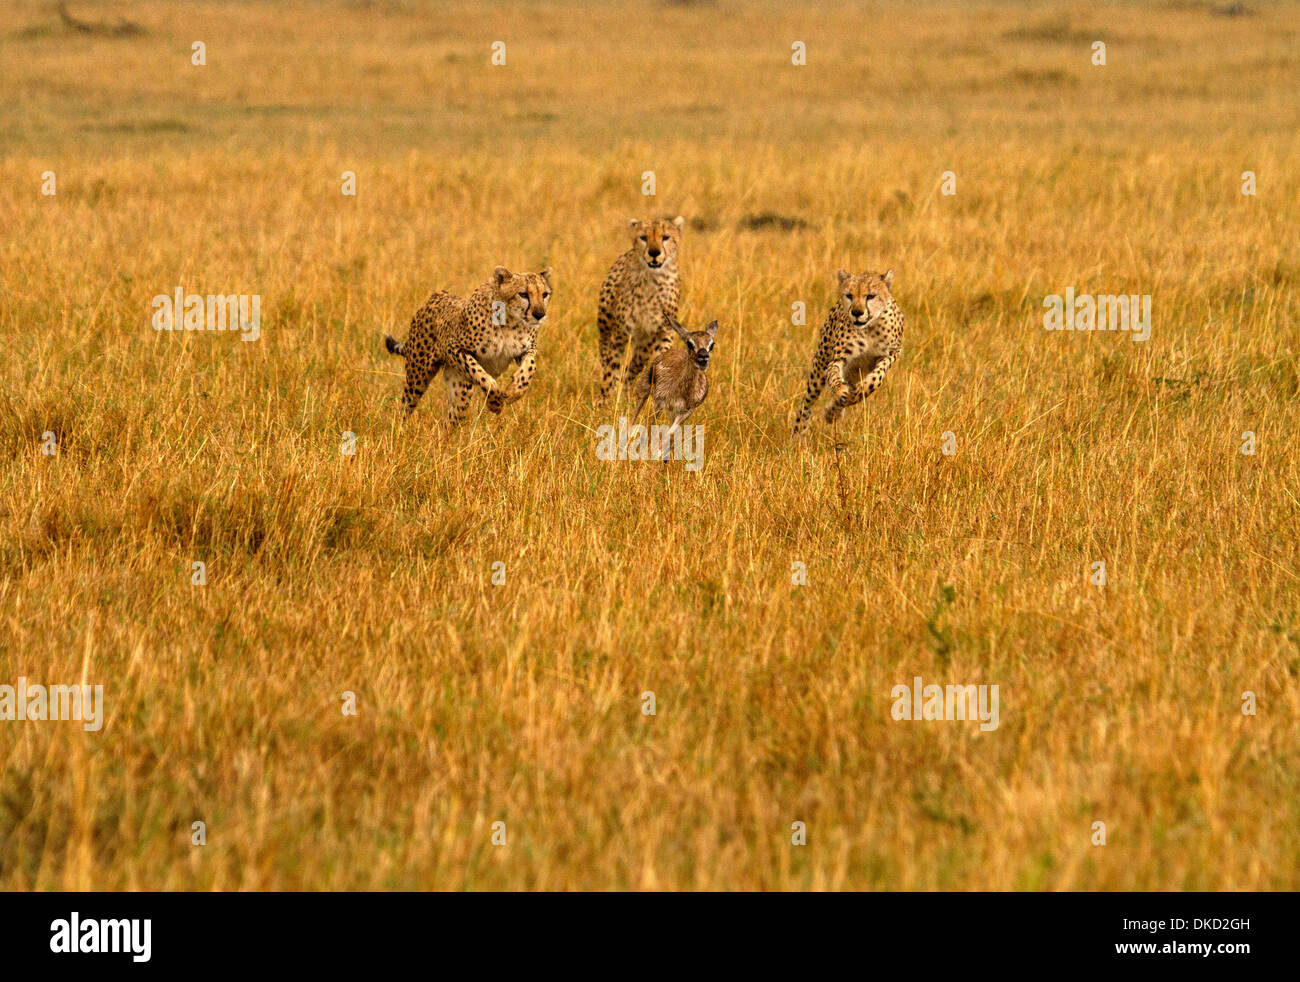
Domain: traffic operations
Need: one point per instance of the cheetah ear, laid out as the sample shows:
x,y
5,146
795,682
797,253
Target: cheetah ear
x,y
680,222
889,278
547,273
712,329
842,275
633,225
502,274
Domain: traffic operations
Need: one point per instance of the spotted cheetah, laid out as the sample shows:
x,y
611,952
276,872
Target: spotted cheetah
x,y
475,339
639,299
861,339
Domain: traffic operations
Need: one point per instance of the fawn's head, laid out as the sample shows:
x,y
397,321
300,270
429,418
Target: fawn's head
x,y
699,344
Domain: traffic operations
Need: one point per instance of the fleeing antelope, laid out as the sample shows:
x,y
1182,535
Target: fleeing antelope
x,y
676,378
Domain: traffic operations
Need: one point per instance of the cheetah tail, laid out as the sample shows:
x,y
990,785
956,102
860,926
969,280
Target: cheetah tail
x,y
394,348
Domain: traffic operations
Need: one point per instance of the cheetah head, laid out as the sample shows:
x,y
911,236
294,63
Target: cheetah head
x,y
865,297
655,242
526,295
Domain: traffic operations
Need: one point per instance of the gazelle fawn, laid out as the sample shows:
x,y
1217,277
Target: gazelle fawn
x,y
676,378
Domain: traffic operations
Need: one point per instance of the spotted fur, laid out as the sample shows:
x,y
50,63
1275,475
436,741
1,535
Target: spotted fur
x,y
638,301
860,341
475,339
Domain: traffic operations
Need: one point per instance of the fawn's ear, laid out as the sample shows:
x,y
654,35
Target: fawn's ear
x,y
678,327
889,278
501,274
712,329
547,275
842,275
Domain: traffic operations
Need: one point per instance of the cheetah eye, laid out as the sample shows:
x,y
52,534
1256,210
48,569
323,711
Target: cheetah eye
x,y
665,238
871,296
848,296
546,296
523,296
643,238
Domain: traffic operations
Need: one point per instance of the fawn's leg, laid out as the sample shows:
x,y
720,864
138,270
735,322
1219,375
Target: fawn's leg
x,y
644,386
667,445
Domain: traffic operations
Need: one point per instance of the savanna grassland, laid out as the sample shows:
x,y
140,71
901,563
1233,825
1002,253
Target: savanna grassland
x,y
521,703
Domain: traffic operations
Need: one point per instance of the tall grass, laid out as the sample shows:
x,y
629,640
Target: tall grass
x,y
522,703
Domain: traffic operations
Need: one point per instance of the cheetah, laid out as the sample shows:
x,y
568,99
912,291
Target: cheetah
x,y
475,339
861,339
639,299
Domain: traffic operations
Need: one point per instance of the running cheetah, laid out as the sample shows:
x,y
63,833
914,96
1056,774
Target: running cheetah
x,y
475,339
861,339
639,299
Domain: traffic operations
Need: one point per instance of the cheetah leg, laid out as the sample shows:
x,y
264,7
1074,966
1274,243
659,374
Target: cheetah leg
x,y
644,352
841,392
476,373
862,384
834,410
816,382
418,376
458,395
613,341
523,377
850,395
835,381
871,381
663,342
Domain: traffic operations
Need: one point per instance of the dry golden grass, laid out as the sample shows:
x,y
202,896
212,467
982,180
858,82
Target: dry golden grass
x,y
522,703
